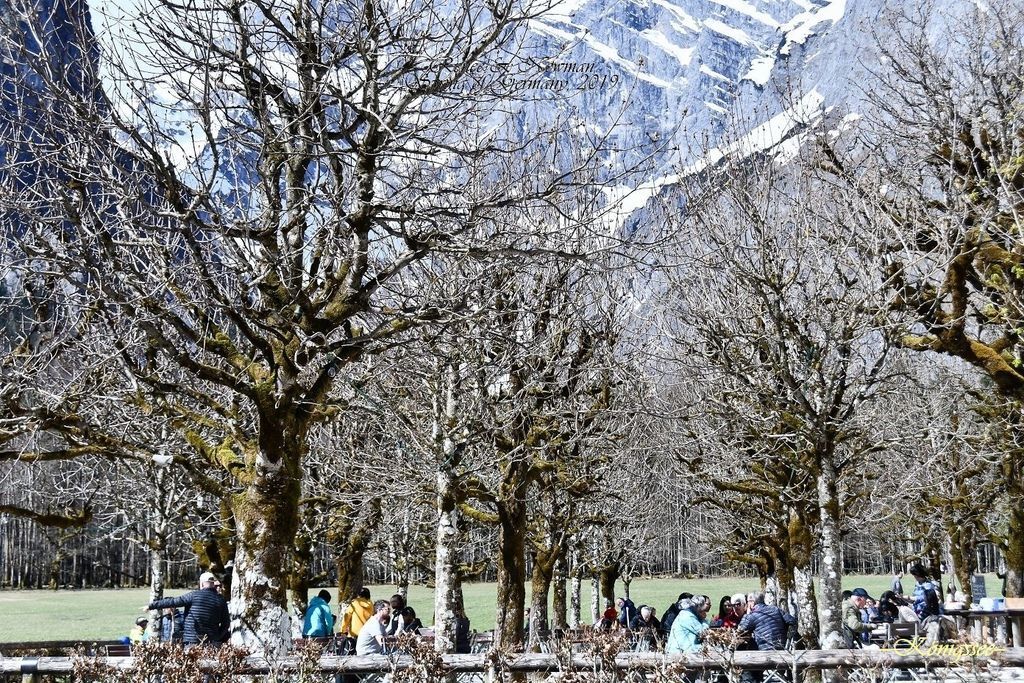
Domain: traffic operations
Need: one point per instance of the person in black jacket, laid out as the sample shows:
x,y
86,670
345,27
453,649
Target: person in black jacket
x,y
769,627
207,621
670,614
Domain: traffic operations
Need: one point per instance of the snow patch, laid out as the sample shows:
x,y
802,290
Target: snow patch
x,y
737,35
801,27
708,71
746,9
767,135
684,55
789,149
760,70
605,52
685,21
624,200
564,10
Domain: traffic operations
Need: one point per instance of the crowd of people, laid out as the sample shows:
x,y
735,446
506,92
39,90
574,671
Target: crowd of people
x,y
922,605
366,627
686,622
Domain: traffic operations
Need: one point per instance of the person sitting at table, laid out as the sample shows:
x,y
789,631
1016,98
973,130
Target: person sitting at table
x,y
728,616
463,640
318,622
889,608
645,627
138,634
396,625
410,622
371,634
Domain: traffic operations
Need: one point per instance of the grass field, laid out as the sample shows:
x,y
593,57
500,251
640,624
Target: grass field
x,y
108,614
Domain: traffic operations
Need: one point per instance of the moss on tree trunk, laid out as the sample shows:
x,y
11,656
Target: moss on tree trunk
x,y
266,514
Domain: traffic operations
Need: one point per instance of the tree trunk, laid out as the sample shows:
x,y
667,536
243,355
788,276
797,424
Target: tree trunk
x,y
830,574
512,565
266,515
447,585
806,606
446,563
157,546
301,567
558,596
609,574
595,598
350,534
511,578
801,552
963,558
1013,473
576,591
540,585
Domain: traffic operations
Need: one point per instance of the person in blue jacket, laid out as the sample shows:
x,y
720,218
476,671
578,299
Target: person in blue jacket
x,y
688,626
318,621
925,598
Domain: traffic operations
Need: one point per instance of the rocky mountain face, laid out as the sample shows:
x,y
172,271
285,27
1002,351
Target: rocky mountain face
x,y
698,78
702,71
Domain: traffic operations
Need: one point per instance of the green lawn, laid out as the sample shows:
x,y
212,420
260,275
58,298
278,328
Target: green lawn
x,y
108,614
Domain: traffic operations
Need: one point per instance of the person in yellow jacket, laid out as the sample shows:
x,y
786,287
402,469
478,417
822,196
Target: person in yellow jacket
x,y
358,612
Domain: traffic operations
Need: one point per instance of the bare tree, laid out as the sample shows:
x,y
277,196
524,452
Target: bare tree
x,y
262,195
774,327
943,164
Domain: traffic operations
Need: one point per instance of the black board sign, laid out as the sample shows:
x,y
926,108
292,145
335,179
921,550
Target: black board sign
x,y
977,587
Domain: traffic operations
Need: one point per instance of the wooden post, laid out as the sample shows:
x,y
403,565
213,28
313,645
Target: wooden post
x,y
29,670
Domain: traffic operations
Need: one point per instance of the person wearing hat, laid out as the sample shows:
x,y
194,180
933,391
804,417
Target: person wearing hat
x,y
853,623
138,633
207,621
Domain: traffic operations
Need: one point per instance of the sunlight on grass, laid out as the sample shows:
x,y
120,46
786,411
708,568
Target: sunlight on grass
x,y
109,614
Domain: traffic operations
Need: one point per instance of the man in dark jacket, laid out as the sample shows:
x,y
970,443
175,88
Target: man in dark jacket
x,y
627,611
670,614
207,621
769,626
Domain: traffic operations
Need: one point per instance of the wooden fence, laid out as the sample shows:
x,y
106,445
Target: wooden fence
x,y
969,656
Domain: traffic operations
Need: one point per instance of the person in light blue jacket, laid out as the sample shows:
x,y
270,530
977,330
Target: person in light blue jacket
x,y
688,627
318,622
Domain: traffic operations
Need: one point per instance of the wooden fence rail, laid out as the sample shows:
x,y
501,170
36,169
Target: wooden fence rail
x,y
939,656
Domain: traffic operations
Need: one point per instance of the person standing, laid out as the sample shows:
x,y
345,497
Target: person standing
x,y
358,612
896,586
207,621
172,624
318,621
925,599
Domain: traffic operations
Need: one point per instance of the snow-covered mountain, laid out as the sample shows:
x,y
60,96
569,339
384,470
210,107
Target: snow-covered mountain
x,y
705,72
701,78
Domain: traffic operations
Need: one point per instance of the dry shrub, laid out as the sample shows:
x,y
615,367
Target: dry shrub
x,y
163,663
